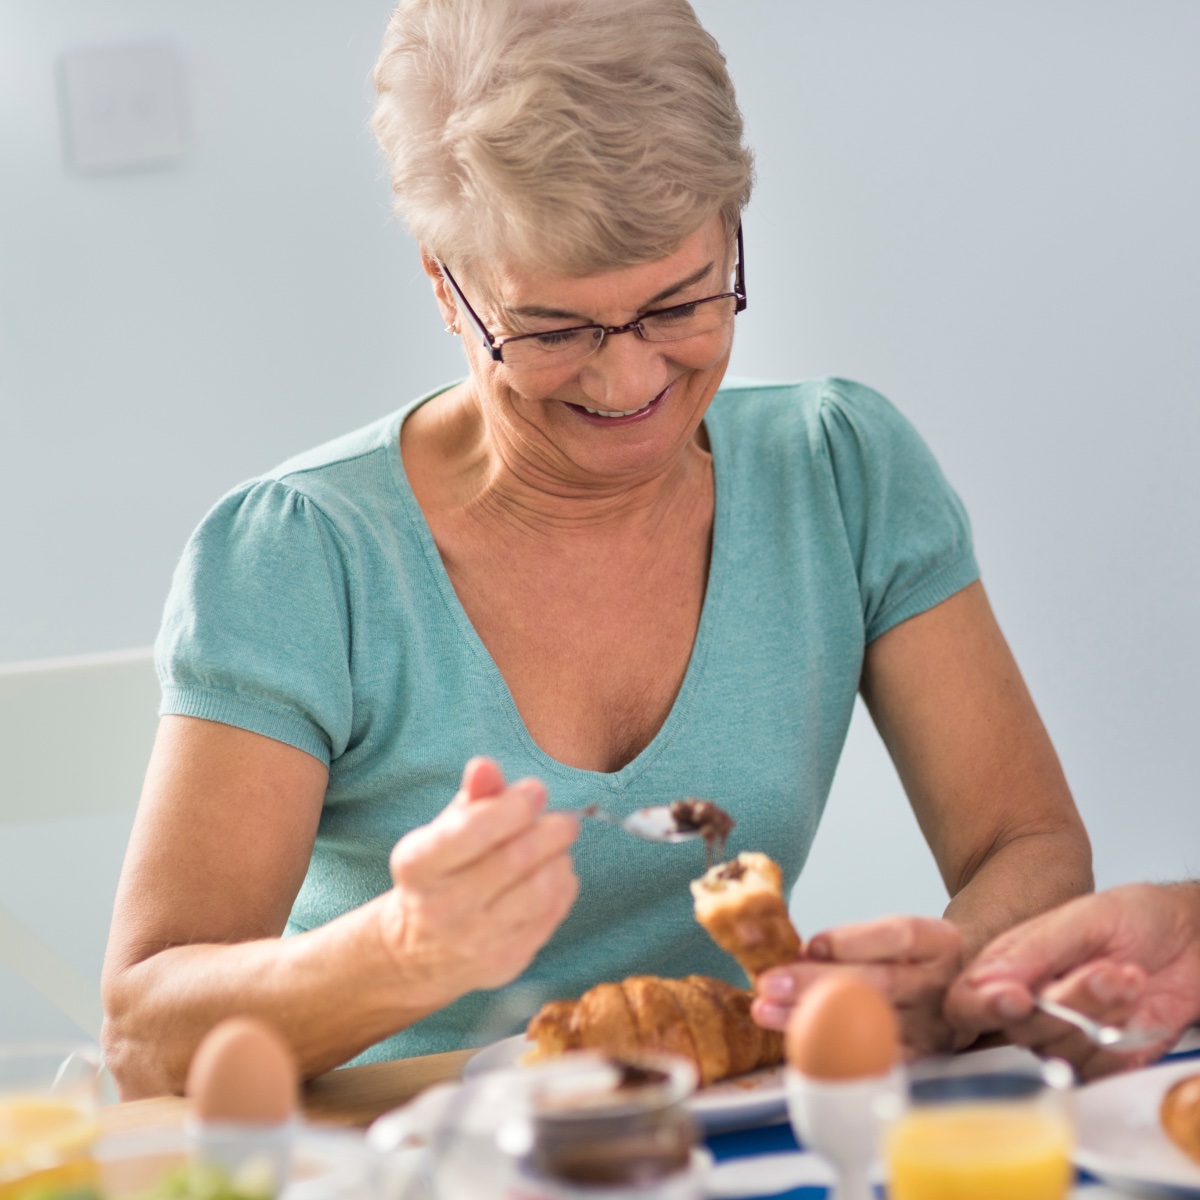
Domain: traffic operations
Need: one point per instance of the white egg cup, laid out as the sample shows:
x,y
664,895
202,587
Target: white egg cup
x,y
843,1122
238,1146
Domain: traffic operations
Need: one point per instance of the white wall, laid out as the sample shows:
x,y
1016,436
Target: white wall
x,y
987,211
167,333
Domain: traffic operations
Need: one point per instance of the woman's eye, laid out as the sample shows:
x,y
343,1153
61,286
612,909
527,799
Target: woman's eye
x,y
681,312
556,339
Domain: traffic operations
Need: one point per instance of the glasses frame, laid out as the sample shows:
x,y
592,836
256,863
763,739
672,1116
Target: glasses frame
x,y
495,346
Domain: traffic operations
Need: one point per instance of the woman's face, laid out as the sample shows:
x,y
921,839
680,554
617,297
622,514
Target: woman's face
x,y
549,417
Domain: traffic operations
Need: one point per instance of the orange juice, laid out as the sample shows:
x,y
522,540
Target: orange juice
x,y
44,1143
979,1151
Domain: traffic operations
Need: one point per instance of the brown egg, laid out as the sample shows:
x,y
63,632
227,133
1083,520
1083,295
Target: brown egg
x,y
842,1028
243,1072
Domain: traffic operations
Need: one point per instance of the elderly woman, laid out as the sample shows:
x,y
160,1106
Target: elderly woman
x,y
591,570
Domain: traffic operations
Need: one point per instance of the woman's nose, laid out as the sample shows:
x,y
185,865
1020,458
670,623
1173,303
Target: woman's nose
x,y
624,373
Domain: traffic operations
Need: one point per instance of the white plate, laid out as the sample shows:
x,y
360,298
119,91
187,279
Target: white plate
x,y
757,1098
1120,1139
327,1164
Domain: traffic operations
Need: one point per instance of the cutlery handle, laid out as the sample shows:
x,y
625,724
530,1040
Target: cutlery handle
x,y
598,814
1110,1037
1052,1008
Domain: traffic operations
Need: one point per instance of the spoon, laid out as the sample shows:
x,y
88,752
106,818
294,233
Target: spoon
x,y
1110,1037
654,824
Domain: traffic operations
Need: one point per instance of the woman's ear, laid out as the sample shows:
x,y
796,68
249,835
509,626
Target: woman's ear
x,y
441,290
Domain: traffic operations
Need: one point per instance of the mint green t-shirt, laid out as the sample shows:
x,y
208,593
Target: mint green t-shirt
x,y
311,606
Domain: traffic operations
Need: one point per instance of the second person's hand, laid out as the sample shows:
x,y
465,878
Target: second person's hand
x,y
1130,955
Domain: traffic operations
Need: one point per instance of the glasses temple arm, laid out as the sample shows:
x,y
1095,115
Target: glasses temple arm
x,y
489,342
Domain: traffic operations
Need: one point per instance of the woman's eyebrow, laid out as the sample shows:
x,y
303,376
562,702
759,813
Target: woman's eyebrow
x,y
536,310
667,293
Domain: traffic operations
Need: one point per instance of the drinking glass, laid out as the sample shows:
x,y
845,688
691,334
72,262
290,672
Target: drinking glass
x,y
49,1105
987,1135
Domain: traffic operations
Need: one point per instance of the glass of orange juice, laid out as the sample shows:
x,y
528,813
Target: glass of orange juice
x,y
988,1135
49,1106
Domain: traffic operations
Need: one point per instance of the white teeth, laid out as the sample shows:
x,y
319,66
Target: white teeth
x,y
600,412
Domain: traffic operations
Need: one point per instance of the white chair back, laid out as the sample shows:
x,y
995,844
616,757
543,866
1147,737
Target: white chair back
x,y
75,737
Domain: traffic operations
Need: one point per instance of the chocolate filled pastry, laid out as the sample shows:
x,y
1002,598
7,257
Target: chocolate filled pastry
x,y
1180,1115
705,1020
741,905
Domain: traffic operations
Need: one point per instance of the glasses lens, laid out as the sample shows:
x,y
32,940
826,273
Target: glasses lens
x,y
554,346
559,346
689,320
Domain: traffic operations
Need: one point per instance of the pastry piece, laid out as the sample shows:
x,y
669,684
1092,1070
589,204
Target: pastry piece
x,y
704,1020
740,903
1180,1115
551,1028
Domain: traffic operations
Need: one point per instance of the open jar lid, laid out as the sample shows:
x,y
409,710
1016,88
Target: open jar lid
x,y
584,1086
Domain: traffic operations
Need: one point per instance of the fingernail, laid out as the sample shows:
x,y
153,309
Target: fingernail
x,y
773,1016
532,790
1008,1007
777,987
1101,986
820,950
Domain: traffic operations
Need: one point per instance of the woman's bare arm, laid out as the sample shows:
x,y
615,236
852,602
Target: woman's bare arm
x,y
990,797
978,767
219,849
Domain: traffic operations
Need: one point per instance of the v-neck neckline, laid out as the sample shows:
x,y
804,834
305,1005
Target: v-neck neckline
x,y
614,781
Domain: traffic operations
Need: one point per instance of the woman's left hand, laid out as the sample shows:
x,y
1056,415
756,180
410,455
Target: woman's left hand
x,y
912,960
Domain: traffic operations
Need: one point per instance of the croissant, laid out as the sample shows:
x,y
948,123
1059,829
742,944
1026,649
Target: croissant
x,y
741,906
701,1019
1180,1115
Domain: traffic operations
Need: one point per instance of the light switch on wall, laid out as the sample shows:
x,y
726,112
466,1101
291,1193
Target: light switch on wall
x,y
122,107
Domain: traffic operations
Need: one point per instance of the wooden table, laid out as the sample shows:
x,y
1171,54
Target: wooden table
x,y
349,1096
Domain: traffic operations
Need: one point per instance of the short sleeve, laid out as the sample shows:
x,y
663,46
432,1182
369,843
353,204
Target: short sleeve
x,y
256,631
907,529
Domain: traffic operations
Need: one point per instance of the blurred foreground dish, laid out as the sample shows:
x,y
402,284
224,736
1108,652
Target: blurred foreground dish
x,y
49,1099
1180,1115
986,1136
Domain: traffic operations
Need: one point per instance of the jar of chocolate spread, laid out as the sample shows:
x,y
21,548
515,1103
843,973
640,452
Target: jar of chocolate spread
x,y
613,1129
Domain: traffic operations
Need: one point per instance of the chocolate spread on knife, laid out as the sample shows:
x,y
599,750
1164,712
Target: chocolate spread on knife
x,y
707,819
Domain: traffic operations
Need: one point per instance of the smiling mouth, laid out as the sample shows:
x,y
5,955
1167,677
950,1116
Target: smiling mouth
x,y
631,412
601,412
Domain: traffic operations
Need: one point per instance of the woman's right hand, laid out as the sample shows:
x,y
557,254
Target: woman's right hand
x,y
480,889
220,847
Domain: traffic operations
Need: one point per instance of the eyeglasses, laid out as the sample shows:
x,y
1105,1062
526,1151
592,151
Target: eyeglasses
x,y
556,347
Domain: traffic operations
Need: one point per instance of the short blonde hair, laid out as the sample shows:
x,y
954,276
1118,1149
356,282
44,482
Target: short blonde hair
x,y
578,136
